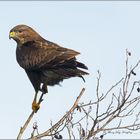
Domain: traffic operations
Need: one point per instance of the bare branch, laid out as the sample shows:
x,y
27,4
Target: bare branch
x,y
23,128
49,131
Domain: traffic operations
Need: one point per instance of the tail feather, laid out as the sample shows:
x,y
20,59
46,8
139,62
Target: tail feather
x,y
67,73
81,65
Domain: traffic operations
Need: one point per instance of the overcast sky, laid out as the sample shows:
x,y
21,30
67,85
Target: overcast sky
x,y
101,31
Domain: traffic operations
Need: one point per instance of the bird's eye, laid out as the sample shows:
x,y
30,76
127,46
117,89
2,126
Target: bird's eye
x,y
19,31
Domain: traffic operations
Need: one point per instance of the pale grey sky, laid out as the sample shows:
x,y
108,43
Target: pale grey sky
x,y
101,31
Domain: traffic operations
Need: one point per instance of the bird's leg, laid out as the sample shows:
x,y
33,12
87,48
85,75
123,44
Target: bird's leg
x,y
41,97
44,91
35,105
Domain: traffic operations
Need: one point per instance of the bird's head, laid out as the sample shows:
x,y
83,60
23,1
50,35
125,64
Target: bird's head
x,y
23,34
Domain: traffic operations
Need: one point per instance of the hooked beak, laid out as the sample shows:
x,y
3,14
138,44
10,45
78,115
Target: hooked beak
x,y
12,34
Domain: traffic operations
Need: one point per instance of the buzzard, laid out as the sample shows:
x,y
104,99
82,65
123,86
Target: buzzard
x,y
45,62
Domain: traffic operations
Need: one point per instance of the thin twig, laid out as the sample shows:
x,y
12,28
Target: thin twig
x,y
23,128
49,131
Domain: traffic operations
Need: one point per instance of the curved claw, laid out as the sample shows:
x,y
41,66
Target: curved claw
x,y
35,106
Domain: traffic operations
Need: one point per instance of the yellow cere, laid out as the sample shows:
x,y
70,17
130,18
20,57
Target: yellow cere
x,y
12,34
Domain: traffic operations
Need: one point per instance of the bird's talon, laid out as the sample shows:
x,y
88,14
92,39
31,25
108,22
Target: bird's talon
x,y
35,106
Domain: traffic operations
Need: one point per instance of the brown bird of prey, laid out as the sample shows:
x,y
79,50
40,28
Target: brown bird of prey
x,y
45,62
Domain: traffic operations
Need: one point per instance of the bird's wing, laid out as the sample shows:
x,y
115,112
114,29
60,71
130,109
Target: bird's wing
x,y
57,56
35,55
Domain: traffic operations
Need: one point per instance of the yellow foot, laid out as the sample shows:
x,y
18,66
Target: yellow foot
x,y
35,106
